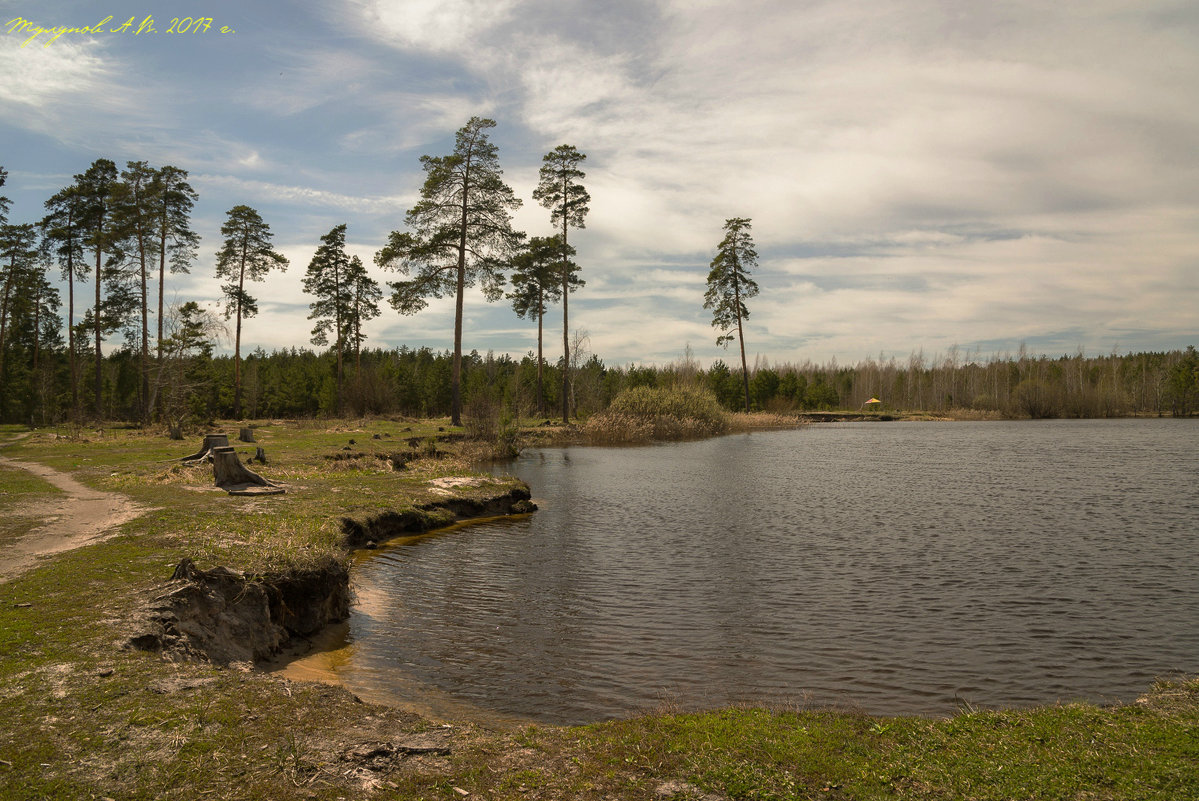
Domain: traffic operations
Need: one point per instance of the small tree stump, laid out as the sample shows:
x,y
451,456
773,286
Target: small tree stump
x,y
210,441
231,476
259,456
246,435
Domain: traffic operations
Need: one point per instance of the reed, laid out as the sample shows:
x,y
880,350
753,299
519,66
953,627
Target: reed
x,y
650,413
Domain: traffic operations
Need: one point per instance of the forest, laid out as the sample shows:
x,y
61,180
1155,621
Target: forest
x,y
121,232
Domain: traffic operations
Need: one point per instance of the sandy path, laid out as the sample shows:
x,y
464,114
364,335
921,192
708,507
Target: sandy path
x,y
79,517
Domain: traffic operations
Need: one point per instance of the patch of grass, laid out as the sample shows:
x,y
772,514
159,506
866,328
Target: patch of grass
x,y
22,497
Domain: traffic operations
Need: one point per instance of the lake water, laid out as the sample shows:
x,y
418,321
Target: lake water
x,y
896,568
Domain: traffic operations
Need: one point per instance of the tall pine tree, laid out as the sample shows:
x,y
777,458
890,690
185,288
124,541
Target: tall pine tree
x,y
98,189
729,285
64,230
328,278
18,270
177,243
136,205
364,305
559,191
246,255
460,233
536,276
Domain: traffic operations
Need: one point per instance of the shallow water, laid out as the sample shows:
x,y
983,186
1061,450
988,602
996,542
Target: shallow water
x,y
898,568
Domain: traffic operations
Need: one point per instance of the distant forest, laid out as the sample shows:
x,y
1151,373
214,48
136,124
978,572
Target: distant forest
x,y
197,387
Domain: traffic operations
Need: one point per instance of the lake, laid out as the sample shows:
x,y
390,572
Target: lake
x,y
897,568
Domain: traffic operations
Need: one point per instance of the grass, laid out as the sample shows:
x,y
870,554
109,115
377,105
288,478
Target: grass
x,y
21,493
86,718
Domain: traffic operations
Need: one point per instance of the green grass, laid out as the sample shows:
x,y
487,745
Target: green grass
x,y
85,717
22,494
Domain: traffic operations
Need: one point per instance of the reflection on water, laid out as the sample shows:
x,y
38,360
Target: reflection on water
x,y
900,568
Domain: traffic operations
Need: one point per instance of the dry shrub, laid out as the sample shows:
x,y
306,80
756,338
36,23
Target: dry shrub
x,y
648,413
752,421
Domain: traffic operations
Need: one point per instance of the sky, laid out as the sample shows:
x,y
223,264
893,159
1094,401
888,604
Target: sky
x,y
919,175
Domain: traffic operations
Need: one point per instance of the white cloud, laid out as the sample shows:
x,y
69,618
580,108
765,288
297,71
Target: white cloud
x,y
258,191
46,90
435,25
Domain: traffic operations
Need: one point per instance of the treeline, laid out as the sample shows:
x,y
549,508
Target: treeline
x,y
416,382
1014,387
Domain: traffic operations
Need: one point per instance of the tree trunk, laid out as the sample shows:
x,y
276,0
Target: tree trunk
x,y
237,341
230,475
741,336
246,435
565,316
145,382
540,359
75,410
211,442
99,382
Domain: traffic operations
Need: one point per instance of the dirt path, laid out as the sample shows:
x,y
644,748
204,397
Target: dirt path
x,y
79,517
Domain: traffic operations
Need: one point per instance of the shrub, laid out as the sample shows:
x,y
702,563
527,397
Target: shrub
x,y
645,413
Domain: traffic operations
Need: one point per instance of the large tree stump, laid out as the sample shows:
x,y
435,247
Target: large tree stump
x,y
246,435
234,478
210,441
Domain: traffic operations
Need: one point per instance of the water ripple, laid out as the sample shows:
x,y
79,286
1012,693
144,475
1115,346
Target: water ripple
x,y
903,568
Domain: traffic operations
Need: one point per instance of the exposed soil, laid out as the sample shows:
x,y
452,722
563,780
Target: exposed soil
x,y
78,517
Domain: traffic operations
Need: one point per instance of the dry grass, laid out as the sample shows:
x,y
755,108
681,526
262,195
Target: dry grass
x,y
757,421
645,413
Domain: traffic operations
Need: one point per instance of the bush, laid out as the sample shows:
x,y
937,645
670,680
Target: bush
x,y
645,413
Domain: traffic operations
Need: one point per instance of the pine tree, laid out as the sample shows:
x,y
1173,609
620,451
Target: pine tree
x,y
729,285
97,187
364,305
461,233
328,278
559,191
136,206
63,228
177,243
245,256
536,282
18,265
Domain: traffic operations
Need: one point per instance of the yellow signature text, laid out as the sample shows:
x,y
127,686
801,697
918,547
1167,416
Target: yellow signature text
x,y
186,25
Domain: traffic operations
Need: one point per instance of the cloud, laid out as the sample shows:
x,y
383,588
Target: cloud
x,y
258,191
450,26
918,175
46,89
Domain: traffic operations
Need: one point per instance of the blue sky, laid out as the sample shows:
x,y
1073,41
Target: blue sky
x,y
919,175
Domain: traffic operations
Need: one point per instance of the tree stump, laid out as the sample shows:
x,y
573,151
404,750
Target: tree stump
x,y
246,435
233,477
210,441
259,456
